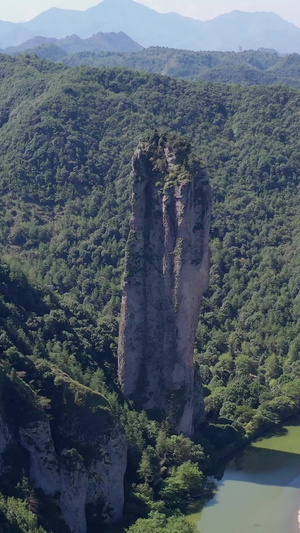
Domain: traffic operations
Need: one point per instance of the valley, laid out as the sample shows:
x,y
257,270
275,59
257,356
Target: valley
x,y
104,178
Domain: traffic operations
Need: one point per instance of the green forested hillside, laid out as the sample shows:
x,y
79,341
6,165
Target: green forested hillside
x,y
66,141
251,67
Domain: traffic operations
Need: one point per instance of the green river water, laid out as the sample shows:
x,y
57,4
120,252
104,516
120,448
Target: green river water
x,y
260,489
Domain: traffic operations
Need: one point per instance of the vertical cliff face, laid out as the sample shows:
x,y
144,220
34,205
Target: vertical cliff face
x,y
5,438
78,457
166,273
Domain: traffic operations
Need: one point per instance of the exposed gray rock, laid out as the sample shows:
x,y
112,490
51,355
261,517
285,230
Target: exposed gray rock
x,y
37,440
77,455
81,460
199,407
73,491
66,473
5,436
166,273
5,439
106,477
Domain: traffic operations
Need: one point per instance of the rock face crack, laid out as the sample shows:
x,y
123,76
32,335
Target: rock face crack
x,y
166,273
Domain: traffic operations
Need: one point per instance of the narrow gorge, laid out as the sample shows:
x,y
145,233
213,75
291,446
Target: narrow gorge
x,y
166,274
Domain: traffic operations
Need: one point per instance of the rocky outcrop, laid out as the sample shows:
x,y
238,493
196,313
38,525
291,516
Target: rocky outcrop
x,y
109,472
166,273
5,439
78,482
78,456
73,490
37,440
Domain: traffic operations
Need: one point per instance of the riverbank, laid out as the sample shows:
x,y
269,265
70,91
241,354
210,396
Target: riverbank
x,y
259,488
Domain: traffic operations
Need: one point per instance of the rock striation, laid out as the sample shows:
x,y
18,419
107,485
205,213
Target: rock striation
x,y
166,273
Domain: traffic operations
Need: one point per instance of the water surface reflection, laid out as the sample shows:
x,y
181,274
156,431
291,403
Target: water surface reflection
x,y
260,489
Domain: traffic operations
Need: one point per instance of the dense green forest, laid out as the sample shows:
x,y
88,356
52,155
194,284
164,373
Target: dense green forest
x,y
67,136
251,67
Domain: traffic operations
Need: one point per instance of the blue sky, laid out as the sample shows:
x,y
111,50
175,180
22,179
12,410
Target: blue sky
x,y
20,10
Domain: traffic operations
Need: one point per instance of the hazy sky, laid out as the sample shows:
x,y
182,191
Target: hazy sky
x,y
22,10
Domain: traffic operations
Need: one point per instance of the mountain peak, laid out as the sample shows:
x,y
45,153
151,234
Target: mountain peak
x,y
150,28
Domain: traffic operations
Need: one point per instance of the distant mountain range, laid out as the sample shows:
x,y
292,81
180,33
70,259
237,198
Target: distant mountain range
x,y
150,28
100,42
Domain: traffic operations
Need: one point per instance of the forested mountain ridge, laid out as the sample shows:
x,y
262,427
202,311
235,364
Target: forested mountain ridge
x,y
250,67
66,141
261,67
61,160
46,46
